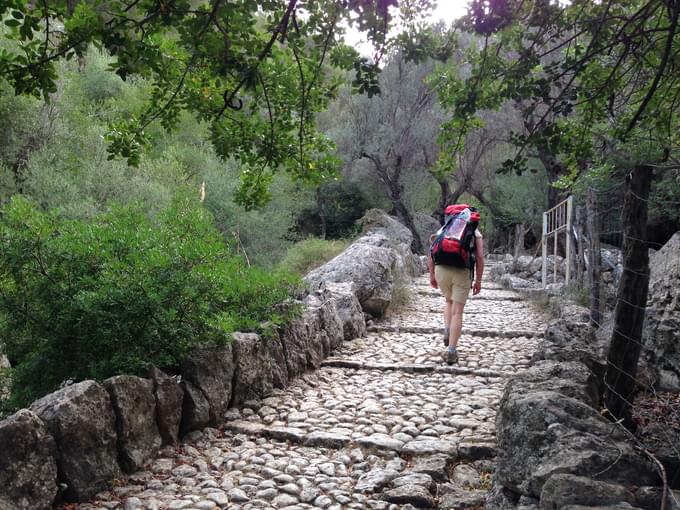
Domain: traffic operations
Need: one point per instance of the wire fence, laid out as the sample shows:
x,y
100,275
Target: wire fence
x,y
608,225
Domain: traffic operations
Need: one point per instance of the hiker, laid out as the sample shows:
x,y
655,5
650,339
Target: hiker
x,y
456,264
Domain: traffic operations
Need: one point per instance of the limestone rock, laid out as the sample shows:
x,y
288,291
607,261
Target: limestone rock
x,y
381,256
415,495
303,342
375,480
211,369
563,489
543,432
82,422
169,399
330,323
349,309
662,322
28,466
260,365
135,407
195,408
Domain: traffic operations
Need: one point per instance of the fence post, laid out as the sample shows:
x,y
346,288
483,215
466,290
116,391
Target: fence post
x,y
594,257
544,266
570,206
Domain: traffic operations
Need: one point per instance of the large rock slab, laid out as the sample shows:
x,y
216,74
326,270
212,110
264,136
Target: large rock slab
x,y
349,309
28,465
169,400
135,407
81,420
330,323
305,344
260,366
662,325
211,370
563,489
374,262
195,408
542,433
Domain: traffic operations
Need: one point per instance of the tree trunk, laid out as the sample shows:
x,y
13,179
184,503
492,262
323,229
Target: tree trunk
x,y
631,299
320,205
520,232
405,217
594,258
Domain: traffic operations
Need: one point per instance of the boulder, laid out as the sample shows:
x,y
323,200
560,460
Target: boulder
x,y
82,422
195,408
135,407
373,262
349,309
567,339
330,322
563,489
369,265
211,369
661,335
303,343
28,465
515,282
259,366
169,399
426,225
542,432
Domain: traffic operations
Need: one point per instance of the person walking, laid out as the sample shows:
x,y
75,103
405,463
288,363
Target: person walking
x,y
453,272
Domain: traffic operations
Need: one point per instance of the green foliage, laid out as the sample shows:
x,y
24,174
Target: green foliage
x,y
255,71
309,254
340,203
90,299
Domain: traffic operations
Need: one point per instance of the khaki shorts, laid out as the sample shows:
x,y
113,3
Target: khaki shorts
x,y
454,282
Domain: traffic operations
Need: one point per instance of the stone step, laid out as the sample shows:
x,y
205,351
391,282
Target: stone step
x,y
504,297
413,368
470,449
424,330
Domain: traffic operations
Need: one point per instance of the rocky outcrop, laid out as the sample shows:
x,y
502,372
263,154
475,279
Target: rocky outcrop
x,y
135,407
555,450
373,263
80,418
348,309
169,399
211,371
28,465
662,322
260,366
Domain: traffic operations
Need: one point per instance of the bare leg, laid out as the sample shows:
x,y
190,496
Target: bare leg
x,y
456,322
448,305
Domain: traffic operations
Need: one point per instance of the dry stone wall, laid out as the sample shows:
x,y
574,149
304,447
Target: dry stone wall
x,y
71,444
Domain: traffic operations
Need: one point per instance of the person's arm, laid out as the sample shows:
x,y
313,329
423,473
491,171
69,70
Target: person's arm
x,y
430,268
479,265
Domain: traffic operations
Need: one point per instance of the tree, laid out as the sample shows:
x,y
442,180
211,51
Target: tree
x,y
253,70
394,133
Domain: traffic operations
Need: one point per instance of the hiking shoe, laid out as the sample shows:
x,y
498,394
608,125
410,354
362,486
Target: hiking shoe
x,y
450,357
446,337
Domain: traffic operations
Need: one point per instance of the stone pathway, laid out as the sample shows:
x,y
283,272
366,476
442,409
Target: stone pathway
x,y
384,424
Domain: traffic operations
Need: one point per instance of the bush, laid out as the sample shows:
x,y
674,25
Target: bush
x,y
309,254
91,299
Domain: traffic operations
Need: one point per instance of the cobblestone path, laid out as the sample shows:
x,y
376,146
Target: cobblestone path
x,y
384,424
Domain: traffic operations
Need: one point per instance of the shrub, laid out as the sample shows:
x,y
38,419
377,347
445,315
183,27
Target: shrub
x,y
309,254
90,299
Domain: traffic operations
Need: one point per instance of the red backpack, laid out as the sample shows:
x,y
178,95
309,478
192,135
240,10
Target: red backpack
x,y
454,243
